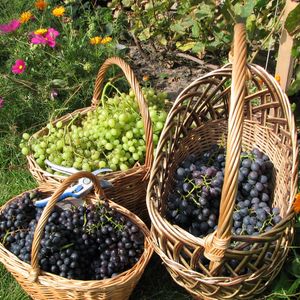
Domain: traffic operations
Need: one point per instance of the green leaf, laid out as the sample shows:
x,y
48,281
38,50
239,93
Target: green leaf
x,y
127,3
145,34
294,87
204,12
196,30
250,23
244,11
186,46
162,40
199,48
109,29
177,28
58,82
261,3
163,75
295,286
292,22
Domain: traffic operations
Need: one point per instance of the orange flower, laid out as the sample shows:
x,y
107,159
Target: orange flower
x,y
95,40
25,17
106,40
277,78
41,4
297,204
58,11
146,78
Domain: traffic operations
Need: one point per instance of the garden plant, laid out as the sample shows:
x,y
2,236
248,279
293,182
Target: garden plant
x,y
50,53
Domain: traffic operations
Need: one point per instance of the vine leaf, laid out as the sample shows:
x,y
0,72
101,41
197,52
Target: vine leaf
x,y
292,22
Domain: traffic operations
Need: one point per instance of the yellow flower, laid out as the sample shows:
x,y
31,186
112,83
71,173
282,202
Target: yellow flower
x,y
41,4
41,31
58,11
95,40
25,17
277,77
106,40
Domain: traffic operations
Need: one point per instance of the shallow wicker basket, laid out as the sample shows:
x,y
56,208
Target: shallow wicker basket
x,y
243,106
42,285
129,187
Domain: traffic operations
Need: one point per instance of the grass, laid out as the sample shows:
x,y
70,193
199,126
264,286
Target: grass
x,y
156,283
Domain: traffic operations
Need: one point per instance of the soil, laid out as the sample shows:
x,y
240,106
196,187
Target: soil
x,y
170,72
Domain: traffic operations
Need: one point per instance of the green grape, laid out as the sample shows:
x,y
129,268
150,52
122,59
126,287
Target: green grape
x,y
136,156
26,136
102,164
25,151
109,146
109,136
59,124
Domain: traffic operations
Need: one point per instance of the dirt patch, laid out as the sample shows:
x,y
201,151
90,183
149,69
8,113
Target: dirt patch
x,y
169,72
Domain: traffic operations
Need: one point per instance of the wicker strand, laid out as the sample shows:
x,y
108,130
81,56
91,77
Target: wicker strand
x,y
234,142
214,247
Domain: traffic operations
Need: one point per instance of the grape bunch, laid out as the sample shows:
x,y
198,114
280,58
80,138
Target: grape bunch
x,y
110,136
91,242
194,202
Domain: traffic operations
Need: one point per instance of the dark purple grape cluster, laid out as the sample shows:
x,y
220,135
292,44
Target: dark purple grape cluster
x,y
91,242
194,201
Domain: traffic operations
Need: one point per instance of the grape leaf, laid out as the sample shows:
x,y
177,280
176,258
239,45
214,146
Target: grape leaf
x,y
292,22
186,46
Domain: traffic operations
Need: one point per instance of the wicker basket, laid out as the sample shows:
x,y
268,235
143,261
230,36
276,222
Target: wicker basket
x,y
42,285
131,184
214,108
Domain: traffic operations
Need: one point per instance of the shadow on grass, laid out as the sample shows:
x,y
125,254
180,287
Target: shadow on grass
x,y
157,284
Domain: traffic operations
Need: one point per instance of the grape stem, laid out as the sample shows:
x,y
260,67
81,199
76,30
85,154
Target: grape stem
x,y
107,85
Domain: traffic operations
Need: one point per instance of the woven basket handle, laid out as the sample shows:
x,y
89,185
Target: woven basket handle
x,y
144,111
39,230
217,242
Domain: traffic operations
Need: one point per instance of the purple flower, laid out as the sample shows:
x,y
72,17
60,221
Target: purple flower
x,y
12,26
53,94
1,102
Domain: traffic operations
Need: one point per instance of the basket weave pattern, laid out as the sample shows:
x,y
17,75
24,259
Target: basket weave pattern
x,y
42,285
129,187
221,108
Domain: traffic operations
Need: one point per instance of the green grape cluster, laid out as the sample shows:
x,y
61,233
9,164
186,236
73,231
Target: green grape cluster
x,y
111,135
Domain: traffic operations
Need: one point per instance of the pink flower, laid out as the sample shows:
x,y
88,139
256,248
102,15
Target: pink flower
x,y
38,39
12,26
19,67
1,102
48,38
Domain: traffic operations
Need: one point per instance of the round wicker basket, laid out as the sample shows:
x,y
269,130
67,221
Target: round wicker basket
x,y
42,285
244,106
131,184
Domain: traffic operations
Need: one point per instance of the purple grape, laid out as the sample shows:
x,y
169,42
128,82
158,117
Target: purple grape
x,y
259,186
255,166
253,175
246,163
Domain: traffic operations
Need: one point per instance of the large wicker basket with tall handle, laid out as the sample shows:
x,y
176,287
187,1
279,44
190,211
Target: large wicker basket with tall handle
x,y
129,187
42,285
216,107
